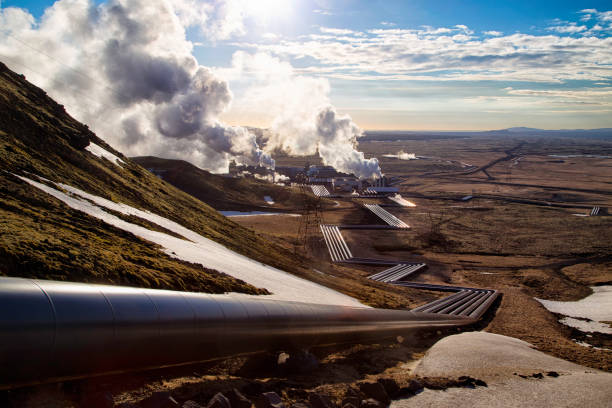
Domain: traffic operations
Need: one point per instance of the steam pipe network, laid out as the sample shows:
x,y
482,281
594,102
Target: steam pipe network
x,y
51,331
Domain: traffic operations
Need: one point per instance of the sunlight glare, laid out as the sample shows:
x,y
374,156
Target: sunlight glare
x,y
265,11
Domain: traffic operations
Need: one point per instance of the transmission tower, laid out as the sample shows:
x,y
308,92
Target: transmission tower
x,y
309,235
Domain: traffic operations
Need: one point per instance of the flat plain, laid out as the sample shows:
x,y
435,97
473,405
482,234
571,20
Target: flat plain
x,y
525,230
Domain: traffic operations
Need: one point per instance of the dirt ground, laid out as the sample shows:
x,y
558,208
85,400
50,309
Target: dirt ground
x,y
519,235
525,232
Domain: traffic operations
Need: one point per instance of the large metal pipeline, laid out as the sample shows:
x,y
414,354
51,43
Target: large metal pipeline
x,y
58,330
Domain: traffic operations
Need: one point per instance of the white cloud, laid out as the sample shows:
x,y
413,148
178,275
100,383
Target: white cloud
x,y
269,36
387,24
493,33
603,20
601,97
438,54
428,30
464,28
571,28
605,16
336,31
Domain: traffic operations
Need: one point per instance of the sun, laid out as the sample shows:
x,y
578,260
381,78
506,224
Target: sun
x,y
266,11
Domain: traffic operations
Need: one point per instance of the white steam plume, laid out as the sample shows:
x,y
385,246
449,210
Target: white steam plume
x,y
125,67
401,155
303,120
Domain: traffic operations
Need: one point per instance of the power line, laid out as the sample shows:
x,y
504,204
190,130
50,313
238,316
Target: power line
x,y
116,92
91,119
56,80
74,89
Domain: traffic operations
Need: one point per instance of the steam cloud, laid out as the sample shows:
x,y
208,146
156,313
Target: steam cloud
x,y
401,155
126,68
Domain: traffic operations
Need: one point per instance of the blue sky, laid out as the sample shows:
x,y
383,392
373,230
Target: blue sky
x,y
516,15
423,64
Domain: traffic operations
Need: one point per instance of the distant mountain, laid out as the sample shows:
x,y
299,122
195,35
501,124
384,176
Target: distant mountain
x,y
603,133
42,148
521,129
384,135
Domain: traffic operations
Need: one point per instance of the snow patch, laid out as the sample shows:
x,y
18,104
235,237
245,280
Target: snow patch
x,y
596,307
586,325
402,201
571,156
198,249
585,344
253,213
103,154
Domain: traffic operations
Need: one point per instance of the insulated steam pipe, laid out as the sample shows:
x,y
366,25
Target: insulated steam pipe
x,y
57,330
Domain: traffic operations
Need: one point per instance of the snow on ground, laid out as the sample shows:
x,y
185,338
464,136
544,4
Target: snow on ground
x,y
402,201
198,249
596,307
571,156
100,152
586,325
268,200
583,344
252,213
498,361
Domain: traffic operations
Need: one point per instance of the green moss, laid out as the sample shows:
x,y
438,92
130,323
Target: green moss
x,y
41,237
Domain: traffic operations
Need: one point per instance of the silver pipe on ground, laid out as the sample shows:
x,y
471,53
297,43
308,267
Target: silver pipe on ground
x,y
343,242
466,305
405,271
386,272
487,301
386,216
440,303
57,330
346,252
332,242
330,247
334,247
336,242
458,303
468,310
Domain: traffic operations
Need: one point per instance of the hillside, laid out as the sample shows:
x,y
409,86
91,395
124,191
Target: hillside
x,y
44,238
222,193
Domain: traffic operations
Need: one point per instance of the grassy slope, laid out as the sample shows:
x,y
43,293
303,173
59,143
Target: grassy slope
x,y
220,192
41,237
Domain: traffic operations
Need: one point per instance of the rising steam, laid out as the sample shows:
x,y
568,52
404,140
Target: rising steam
x,y
401,155
126,68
